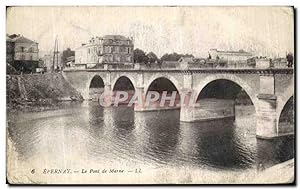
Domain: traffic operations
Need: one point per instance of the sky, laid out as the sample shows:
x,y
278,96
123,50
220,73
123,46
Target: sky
x,y
267,31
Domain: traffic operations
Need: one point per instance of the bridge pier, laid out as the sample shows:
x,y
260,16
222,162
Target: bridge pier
x,y
140,104
208,110
154,105
187,106
266,123
107,88
84,93
108,98
266,116
187,114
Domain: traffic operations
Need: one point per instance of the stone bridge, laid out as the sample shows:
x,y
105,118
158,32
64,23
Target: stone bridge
x,y
268,89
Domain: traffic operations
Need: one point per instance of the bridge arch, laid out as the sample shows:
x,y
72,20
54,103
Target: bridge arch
x,y
95,86
125,79
123,83
172,80
96,81
232,78
285,119
162,85
284,101
97,78
167,84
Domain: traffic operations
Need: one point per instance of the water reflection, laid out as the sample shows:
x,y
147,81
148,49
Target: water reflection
x,y
90,133
214,144
274,151
159,131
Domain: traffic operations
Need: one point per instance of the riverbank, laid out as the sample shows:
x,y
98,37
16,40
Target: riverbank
x,y
38,92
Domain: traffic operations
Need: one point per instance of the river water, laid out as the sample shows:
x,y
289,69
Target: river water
x,y
86,135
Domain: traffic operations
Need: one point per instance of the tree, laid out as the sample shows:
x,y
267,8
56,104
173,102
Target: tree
x,y
139,56
67,53
174,56
152,58
170,57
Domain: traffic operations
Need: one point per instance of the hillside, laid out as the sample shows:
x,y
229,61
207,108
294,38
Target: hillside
x,y
38,91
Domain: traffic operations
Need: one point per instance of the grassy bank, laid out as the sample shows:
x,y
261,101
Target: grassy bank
x,y
38,92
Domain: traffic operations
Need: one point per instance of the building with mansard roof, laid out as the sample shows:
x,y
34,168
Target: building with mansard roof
x,y
110,49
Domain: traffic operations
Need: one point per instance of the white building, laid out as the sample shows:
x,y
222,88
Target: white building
x,y
109,49
230,56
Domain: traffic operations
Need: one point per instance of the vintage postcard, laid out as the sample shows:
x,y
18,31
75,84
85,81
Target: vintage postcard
x,y
150,95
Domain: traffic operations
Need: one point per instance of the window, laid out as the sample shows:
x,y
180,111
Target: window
x,y
105,59
22,49
106,49
100,51
116,58
122,59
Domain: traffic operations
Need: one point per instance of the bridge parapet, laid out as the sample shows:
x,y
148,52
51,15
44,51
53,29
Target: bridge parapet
x,y
194,70
255,63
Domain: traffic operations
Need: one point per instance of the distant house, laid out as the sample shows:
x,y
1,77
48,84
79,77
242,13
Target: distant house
x,y
230,56
23,53
170,64
70,61
66,54
188,59
185,61
192,62
51,64
200,61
